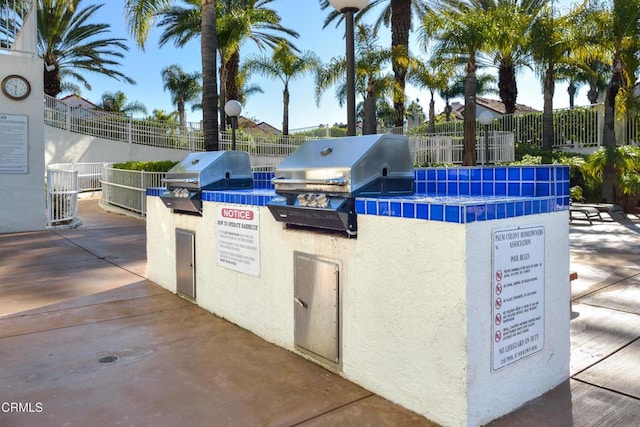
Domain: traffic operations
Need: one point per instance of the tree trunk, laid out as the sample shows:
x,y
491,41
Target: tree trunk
x,y
182,118
572,89
370,121
285,112
508,87
231,83
432,116
547,111
52,85
400,27
608,133
470,85
208,51
223,96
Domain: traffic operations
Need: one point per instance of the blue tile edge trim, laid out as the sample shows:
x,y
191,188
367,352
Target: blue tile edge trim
x,y
457,195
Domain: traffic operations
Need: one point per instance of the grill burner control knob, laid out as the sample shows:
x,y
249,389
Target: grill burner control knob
x,y
313,200
322,201
181,192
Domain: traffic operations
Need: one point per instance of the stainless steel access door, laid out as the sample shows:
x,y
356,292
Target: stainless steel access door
x,y
186,263
316,301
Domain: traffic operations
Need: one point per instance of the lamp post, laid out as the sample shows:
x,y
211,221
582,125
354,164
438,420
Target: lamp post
x,y
233,108
486,118
348,8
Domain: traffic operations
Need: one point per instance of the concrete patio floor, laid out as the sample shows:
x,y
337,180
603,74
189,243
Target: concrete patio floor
x,y
86,339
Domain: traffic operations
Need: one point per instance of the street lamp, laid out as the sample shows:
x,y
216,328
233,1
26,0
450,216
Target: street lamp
x,y
348,8
233,108
486,118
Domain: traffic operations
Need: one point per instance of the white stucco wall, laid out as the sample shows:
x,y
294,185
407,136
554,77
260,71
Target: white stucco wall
x,y
62,146
23,194
416,301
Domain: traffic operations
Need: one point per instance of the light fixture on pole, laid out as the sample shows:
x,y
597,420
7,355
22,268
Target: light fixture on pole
x,y
485,119
233,108
348,8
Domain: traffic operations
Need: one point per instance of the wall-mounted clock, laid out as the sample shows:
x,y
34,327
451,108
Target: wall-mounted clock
x,y
15,87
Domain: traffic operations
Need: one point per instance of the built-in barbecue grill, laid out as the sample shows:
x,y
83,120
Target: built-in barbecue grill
x,y
317,184
210,170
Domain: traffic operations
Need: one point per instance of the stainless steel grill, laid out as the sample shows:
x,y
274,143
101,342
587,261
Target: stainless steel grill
x,y
211,170
317,184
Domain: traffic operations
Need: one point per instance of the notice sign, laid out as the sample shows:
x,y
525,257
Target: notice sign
x,y
13,144
518,294
239,239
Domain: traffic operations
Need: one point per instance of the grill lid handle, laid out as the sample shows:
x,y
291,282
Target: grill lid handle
x,y
328,181
180,180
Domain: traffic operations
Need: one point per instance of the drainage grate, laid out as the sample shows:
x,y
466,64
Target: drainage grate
x,y
108,359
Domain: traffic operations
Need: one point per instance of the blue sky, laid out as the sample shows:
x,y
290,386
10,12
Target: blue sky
x,y
305,17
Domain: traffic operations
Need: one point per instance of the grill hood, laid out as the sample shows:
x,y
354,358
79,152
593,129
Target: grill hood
x,y
210,170
369,165
317,184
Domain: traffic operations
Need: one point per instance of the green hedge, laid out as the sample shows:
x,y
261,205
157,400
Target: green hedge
x,y
156,166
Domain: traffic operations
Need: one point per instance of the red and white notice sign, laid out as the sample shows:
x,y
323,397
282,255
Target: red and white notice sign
x,y
239,239
517,304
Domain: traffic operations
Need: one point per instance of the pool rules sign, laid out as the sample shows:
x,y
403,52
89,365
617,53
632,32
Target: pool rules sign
x,y
517,294
239,239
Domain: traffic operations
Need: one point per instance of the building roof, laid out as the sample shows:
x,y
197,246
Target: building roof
x,y
495,106
78,101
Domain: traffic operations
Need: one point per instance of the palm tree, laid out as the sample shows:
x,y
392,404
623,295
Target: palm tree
x,y
512,21
116,102
284,65
432,75
237,21
163,116
141,14
550,43
70,46
184,88
397,14
618,30
371,82
462,31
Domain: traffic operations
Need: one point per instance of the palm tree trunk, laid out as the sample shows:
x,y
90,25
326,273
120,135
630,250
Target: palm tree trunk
x,y
208,51
571,90
183,123
547,111
470,84
231,77
285,112
400,27
52,85
223,95
609,134
370,122
508,87
432,115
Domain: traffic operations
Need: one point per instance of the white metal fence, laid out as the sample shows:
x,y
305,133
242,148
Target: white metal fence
x,y
449,149
127,189
88,174
62,196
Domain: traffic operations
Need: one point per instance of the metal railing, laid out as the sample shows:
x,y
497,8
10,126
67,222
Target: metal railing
x,y
127,189
61,196
449,148
89,174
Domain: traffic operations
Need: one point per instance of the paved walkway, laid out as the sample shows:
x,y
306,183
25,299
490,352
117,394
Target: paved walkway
x,y
73,300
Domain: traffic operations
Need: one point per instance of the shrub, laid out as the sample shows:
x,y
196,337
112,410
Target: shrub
x,y
156,166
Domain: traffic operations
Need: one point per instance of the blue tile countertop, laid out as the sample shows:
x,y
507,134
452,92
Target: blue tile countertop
x,y
459,195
